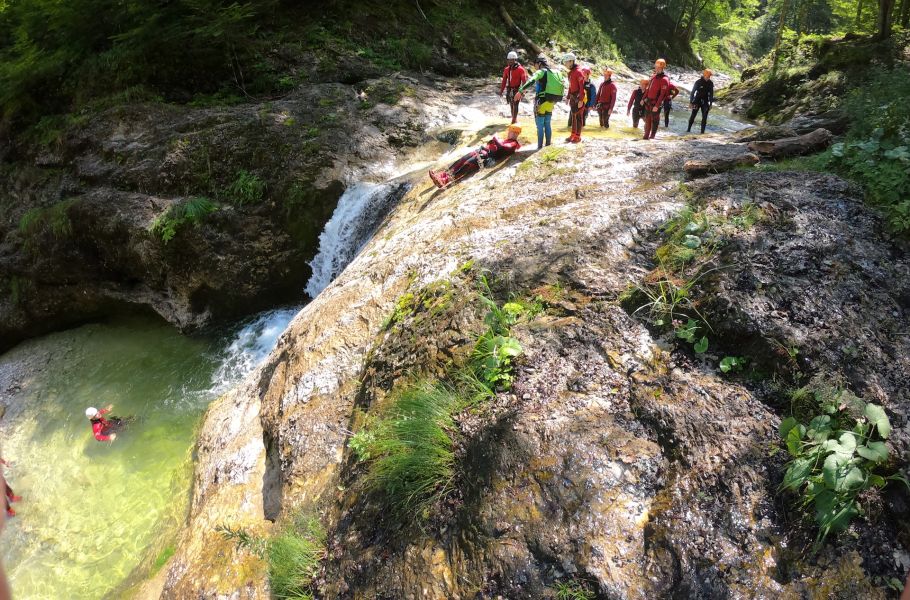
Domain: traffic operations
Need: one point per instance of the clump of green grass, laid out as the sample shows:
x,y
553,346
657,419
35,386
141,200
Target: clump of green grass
x,y
247,188
294,555
573,590
53,220
190,212
410,447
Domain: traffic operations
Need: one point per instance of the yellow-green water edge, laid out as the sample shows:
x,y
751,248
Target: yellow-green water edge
x,y
91,510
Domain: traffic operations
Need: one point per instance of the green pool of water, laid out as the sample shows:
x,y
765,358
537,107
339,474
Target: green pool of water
x,y
91,510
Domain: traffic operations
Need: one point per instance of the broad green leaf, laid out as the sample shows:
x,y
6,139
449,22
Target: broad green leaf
x,y
854,479
797,473
794,437
877,480
786,425
846,444
513,308
702,346
728,363
874,451
820,422
831,471
876,415
510,347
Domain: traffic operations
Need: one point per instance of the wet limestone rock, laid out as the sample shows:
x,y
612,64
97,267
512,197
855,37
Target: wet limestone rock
x,y
620,461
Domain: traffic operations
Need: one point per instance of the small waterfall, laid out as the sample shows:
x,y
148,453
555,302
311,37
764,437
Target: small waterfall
x,y
359,212
250,345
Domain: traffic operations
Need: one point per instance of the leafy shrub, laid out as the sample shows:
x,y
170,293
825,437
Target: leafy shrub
x,y
246,188
834,454
190,212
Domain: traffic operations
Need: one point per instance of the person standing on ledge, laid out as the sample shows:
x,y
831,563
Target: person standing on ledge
x,y
513,77
549,88
668,103
635,102
606,99
576,97
654,96
701,99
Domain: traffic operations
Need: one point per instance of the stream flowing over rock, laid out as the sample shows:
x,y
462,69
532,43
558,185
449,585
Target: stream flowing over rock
x,y
619,459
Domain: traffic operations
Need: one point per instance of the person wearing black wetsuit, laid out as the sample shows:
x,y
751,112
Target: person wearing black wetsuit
x,y
701,99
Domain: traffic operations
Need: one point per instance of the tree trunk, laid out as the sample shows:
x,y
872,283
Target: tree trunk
x,y
905,14
636,8
507,19
780,32
809,143
884,19
859,13
682,15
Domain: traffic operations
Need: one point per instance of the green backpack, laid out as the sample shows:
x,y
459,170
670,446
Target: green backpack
x,y
554,87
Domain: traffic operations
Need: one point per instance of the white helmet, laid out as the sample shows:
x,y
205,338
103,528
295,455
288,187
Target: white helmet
x,y
568,56
91,412
512,55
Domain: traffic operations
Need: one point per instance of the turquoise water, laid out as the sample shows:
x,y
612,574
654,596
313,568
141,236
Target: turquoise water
x,y
91,510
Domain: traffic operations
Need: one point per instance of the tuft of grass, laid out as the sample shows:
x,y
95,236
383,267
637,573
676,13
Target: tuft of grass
x,y
190,212
294,554
53,220
247,188
410,448
573,590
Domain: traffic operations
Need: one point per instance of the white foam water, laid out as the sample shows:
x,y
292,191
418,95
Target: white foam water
x,y
250,345
359,212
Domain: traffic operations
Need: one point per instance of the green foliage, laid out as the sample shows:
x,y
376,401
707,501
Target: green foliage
x,y
246,188
876,152
835,454
689,333
294,555
162,558
573,590
189,212
730,364
53,220
409,447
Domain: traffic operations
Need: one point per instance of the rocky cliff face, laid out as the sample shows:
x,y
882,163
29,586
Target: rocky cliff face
x,y
79,202
621,461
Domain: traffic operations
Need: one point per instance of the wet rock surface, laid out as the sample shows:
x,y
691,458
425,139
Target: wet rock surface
x,y
620,460
76,213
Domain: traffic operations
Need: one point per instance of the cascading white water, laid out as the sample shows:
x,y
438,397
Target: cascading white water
x,y
250,345
359,212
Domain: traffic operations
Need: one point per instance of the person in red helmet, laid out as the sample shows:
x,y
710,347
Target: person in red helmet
x,y
9,496
513,77
576,98
653,99
103,429
485,156
606,99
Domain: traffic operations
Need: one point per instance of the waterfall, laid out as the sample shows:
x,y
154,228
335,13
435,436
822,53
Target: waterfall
x,y
249,346
359,212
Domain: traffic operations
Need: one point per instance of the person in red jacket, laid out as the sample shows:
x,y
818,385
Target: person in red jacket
x,y
103,429
513,77
576,97
653,98
9,496
606,98
668,103
485,156
635,102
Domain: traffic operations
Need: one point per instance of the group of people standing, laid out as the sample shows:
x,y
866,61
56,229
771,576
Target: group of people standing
x,y
653,97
